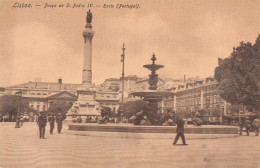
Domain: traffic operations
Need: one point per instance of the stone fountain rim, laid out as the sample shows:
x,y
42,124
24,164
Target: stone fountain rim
x,y
153,65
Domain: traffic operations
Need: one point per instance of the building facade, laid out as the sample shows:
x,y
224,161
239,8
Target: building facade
x,y
202,95
41,94
129,84
112,84
38,92
108,99
143,84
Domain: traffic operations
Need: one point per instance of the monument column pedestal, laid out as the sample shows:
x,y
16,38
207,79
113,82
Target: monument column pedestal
x,y
86,104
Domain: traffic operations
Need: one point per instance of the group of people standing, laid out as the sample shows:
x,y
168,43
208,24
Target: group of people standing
x,y
42,121
248,124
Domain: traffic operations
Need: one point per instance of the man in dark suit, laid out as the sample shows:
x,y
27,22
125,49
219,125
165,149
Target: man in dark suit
x,y
180,132
42,123
51,120
256,124
247,125
59,122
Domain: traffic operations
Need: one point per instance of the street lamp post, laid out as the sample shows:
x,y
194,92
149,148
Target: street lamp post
x,y
17,124
123,71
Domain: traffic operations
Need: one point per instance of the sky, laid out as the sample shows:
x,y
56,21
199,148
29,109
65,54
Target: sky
x,y
187,37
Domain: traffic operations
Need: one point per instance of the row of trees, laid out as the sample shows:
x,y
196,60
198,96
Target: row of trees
x,y
60,107
239,75
9,105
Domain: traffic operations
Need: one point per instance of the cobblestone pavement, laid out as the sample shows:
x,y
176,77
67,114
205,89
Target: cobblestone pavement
x,y
22,148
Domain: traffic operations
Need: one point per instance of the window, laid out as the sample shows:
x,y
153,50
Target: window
x,y
44,107
208,100
215,99
38,107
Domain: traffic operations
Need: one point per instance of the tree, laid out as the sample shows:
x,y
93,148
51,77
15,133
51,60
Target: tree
x,y
238,75
132,107
202,112
106,111
60,107
9,105
216,112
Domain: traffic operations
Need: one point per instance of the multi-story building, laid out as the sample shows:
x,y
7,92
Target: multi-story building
x,y
202,94
112,84
143,84
129,84
108,99
40,94
191,97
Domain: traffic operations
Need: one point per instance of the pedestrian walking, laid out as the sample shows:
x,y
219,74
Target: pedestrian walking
x,y
241,126
256,124
180,131
42,123
21,119
51,120
247,126
59,122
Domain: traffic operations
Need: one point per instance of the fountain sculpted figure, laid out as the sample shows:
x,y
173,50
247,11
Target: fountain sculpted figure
x,y
153,80
89,17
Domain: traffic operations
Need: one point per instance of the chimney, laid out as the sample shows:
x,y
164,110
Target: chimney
x,y
60,81
184,79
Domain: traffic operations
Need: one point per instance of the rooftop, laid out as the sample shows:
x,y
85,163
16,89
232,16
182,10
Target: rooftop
x,y
46,85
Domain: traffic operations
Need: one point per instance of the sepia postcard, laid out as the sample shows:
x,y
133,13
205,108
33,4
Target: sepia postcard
x,y
129,83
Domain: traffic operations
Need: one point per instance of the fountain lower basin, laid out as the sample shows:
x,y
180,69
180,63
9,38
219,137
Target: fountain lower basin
x,y
129,128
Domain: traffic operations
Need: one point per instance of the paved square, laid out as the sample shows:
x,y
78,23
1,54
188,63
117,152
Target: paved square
x,y
22,148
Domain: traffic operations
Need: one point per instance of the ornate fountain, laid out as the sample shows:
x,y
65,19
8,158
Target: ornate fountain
x,y
153,96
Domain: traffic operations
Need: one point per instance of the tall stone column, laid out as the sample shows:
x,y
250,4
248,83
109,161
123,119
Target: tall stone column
x,y
87,66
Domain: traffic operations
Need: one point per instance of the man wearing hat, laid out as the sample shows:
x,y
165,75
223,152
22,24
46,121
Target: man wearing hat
x,y
42,123
59,122
51,120
256,125
180,131
247,125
